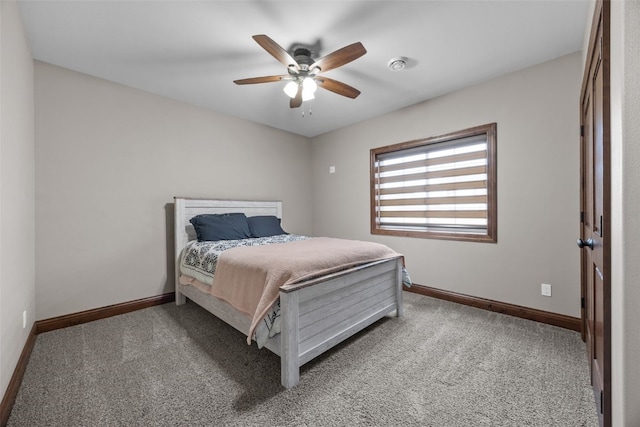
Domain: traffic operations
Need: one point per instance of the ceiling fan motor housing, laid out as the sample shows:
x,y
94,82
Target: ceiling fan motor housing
x,y
303,58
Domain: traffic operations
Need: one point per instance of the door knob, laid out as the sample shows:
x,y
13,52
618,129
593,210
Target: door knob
x,y
588,243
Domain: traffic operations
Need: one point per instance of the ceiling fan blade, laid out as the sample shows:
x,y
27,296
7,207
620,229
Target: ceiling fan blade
x,y
265,79
340,57
297,101
275,50
337,87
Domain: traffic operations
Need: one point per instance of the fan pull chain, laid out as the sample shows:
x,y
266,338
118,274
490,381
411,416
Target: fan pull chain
x,y
310,111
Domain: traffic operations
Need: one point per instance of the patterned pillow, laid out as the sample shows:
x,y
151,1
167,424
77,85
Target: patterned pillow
x,y
231,226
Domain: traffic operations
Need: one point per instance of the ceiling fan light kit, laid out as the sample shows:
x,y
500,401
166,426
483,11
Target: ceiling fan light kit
x,y
291,89
309,87
303,70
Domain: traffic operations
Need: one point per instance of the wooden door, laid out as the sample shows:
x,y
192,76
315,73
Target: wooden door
x,y
594,238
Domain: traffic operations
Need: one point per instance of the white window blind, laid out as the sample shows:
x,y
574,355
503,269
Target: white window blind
x,y
439,187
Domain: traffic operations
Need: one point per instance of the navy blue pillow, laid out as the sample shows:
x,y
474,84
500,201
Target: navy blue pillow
x,y
265,226
231,226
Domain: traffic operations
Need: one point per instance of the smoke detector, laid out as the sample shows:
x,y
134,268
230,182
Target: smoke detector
x,y
397,64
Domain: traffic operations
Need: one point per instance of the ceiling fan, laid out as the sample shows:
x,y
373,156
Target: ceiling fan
x,y
303,71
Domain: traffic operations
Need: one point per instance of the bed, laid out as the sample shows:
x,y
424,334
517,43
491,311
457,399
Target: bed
x,y
315,314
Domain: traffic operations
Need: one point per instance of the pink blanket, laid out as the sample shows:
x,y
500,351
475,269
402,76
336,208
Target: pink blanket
x,y
249,277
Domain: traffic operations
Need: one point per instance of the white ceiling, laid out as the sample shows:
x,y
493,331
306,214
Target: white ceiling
x,y
193,50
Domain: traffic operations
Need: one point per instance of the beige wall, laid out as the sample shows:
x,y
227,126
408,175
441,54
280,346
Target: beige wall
x,y
110,159
17,234
538,187
625,205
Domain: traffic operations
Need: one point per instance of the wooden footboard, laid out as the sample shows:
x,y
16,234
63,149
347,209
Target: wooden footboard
x,y
319,314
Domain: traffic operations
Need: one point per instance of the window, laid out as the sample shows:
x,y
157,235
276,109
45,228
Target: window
x,y
438,188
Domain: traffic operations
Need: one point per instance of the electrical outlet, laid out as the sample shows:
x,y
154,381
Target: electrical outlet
x,y
332,169
24,319
546,290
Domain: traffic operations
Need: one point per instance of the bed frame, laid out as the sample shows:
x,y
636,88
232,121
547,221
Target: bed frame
x,y
316,314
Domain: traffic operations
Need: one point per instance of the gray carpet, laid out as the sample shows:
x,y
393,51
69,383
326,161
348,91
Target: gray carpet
x,y
443,364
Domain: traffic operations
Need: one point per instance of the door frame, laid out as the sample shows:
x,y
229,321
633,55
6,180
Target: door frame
x,y
601,17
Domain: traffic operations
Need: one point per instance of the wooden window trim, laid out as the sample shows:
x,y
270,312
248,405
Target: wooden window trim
x,y
491,236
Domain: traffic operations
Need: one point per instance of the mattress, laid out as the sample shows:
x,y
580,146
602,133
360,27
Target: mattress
x,y
199,260
198,264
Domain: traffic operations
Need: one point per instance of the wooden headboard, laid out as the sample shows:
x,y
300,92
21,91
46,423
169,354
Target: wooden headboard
x,y
187,208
